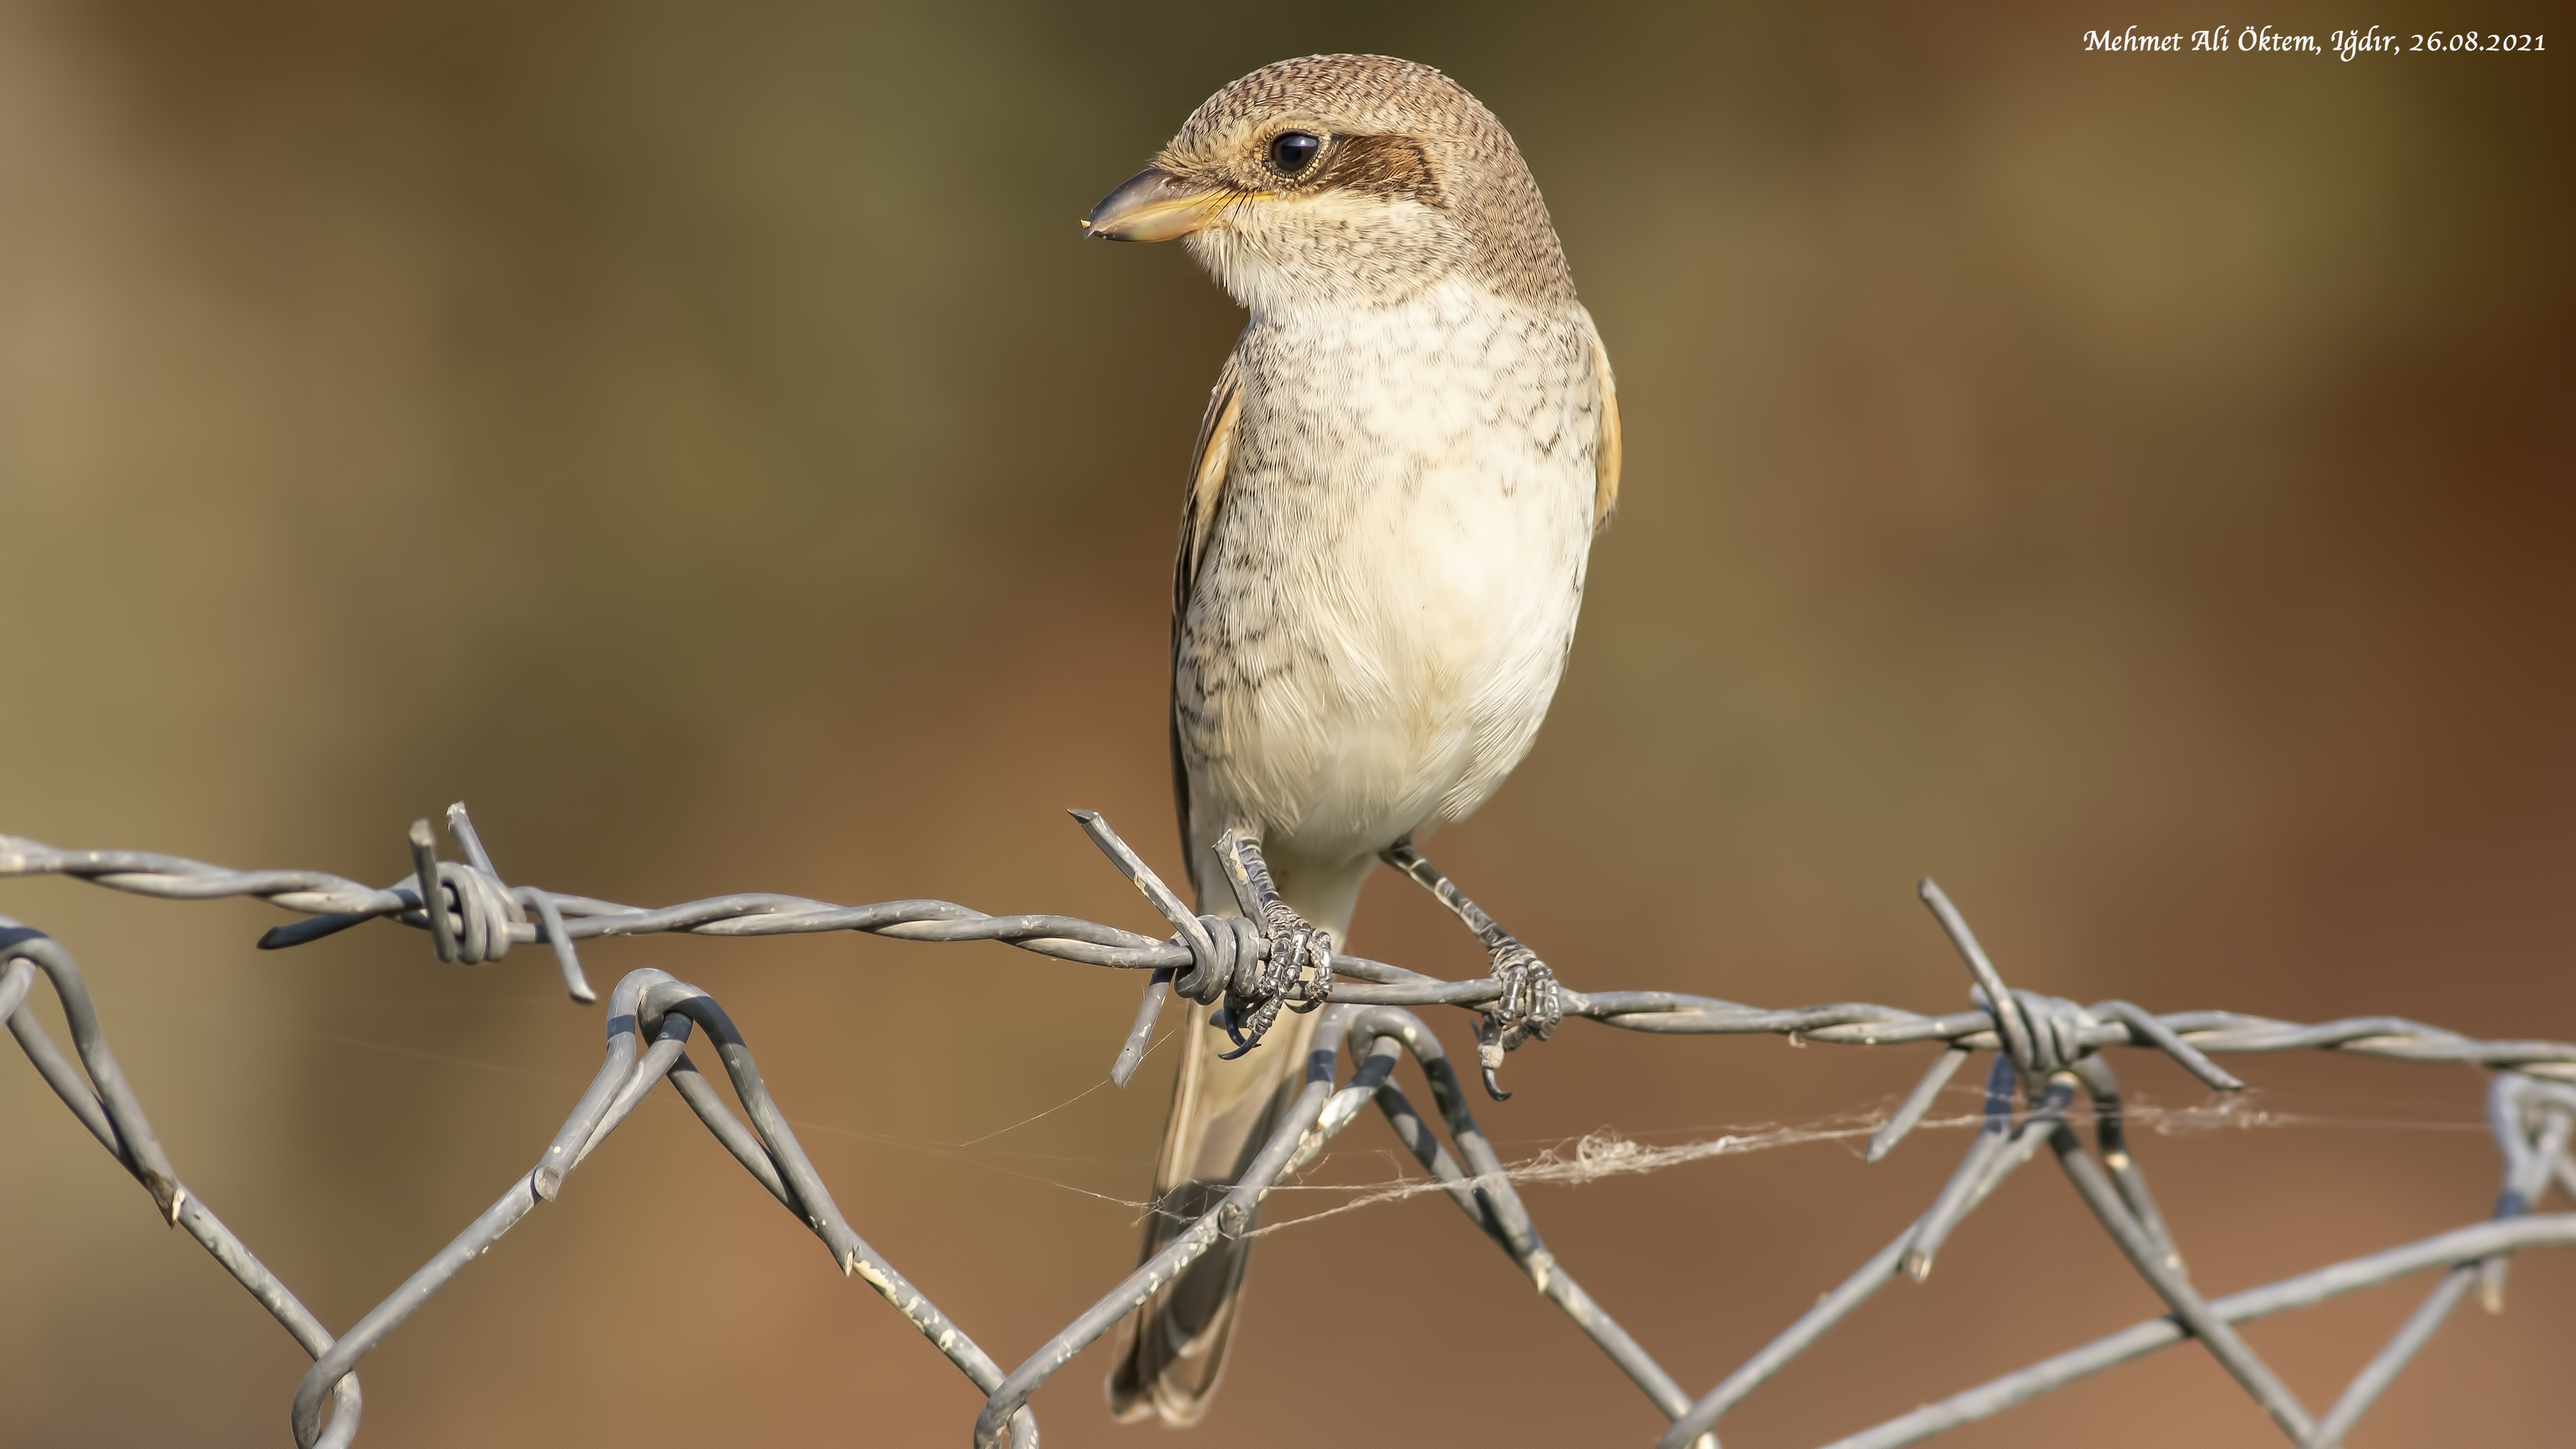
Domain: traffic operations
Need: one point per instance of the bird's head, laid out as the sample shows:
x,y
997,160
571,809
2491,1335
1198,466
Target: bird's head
x,y
1345,180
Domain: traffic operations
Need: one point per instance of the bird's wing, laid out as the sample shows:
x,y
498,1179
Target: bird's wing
x,y
1168,1353
1605,448
1209,463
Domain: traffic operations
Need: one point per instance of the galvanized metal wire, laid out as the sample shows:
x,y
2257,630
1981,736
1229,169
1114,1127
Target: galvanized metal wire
x,y
2048,1078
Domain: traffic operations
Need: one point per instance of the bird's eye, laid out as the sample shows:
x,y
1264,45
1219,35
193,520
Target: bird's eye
x,y
1291,152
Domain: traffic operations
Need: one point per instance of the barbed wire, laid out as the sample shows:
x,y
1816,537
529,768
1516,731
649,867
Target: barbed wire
x,y
2047,1064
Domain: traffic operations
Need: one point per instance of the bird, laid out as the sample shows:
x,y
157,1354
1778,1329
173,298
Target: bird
x,y
1388,516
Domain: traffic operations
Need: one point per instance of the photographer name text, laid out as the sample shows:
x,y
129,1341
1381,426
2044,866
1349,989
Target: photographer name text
x,y
2345,45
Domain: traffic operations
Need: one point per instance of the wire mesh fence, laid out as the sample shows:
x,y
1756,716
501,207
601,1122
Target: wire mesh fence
x,y
2048,1077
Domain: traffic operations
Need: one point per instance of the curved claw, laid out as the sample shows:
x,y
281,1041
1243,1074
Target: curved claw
x,y
1247,1034
1489,1058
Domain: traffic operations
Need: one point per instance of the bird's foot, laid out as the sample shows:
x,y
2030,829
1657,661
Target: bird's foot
x,y
1293,969
1530,1007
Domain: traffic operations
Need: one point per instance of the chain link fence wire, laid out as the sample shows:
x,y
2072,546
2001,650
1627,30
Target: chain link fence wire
x,y
2047,1064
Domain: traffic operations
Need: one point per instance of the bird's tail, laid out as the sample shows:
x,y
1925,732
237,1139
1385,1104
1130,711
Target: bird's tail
x,y
1172,1350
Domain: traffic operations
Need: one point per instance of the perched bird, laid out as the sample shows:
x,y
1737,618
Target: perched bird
x,y
1382,553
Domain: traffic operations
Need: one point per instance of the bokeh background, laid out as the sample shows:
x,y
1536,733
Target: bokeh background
x,y
2133,490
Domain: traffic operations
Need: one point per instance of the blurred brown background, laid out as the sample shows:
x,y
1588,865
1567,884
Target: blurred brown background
x,y
2133,490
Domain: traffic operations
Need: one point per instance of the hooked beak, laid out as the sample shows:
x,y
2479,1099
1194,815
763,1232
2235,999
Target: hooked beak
x,y
1154,205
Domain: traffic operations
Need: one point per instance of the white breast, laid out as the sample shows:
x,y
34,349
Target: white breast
x,y
1386,604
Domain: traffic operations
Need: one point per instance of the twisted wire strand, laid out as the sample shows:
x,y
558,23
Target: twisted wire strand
x,y
1201,947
